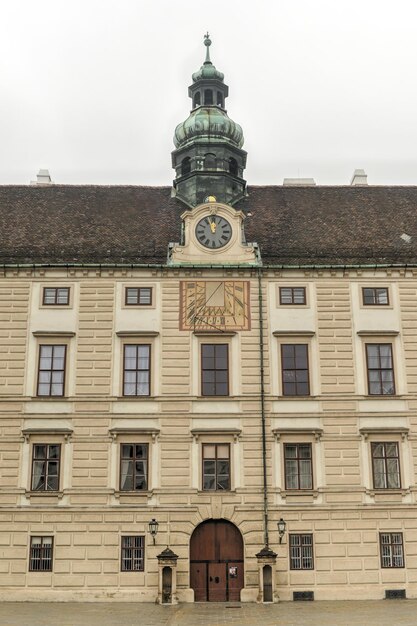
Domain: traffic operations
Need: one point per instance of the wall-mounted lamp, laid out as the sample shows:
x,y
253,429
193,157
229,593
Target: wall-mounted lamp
x,y
153,529
281,529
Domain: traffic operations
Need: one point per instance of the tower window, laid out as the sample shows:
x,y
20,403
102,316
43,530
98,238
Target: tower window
x,y
233,169
220,102
210,161
185,166
197,99
208,96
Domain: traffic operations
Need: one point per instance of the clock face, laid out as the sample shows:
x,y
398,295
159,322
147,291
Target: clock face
x,y
215,305
213,232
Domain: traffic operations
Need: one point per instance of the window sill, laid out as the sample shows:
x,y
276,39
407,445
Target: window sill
x,y
134,398
58,495
50,398
300,493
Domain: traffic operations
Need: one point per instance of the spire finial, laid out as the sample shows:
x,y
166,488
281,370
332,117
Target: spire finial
x,y
207,43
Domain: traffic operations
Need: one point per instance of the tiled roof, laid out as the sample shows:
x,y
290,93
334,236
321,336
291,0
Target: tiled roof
x,y
130,224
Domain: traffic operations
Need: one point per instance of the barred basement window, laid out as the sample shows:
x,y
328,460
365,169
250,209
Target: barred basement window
x,y
40,558
392,551
133,554
292,295
138,296
386,465
133,466
55,296
374,296
45,467
301,552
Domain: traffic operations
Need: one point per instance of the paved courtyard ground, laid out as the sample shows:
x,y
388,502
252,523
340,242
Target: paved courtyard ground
x,y
368,613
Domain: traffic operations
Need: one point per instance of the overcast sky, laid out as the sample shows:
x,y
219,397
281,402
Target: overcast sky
x,y
93,89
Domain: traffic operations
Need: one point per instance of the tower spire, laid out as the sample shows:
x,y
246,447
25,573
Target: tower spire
x,y
207,43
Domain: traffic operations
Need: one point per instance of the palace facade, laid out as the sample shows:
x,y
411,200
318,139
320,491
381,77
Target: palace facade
x,y
182,368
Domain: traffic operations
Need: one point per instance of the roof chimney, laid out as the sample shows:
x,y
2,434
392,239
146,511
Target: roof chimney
x,y
299,182
359,178
43,178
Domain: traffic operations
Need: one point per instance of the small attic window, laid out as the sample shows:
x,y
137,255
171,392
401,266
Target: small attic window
x,y
185,166
220,102
233,168
208,96
197,99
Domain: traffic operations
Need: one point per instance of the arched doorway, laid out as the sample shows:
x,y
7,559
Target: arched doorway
x,y
216,562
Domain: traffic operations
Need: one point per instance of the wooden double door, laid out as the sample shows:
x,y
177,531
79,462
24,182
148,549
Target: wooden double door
x,y
216,562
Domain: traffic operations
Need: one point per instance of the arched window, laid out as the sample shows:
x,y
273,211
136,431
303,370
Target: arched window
x,y
197,99
185,166
220,99
210,161
233,169
208,96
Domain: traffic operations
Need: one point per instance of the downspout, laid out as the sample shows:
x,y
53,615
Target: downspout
x,y
262,399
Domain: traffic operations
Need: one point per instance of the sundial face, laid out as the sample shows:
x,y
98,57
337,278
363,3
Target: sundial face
x,y
215,305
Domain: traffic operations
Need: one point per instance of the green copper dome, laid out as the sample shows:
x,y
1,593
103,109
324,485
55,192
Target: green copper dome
x,y
207,70
208,124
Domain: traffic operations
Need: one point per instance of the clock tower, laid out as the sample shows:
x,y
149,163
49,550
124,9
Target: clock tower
x,y
208,158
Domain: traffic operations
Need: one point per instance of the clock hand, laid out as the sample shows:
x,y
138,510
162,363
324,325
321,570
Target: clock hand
x,y
213,226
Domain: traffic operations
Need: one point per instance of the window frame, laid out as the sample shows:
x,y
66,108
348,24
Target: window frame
x,y
380,370
55,302
122,458
375,290
51,560
292,303
390,544
203,369
216,445
298,458
138,292
386,473
301,546
64,371
149,369
47,460
133,548
295,395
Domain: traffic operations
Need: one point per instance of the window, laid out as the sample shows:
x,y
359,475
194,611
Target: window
x,y
45,467
197,99
185,166
292,295
375,296
301,552
51,376
56,296
136,370
208,96
210,161
214,369
133,467
40,559
216,467
233,167
294,359
392,551
380,369
133,554
138,295
386,465
298,466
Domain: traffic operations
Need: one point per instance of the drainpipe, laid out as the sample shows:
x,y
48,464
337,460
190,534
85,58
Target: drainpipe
x,y
262,398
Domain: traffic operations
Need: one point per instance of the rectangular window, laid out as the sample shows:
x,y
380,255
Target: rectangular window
x,y
301,552
40,558
380,369
386,465
56,296
215,369
392,550
294,359
138,296
133,554
136,370
298,466
375,296
45,467
51,376
133,467
292,295
216,467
